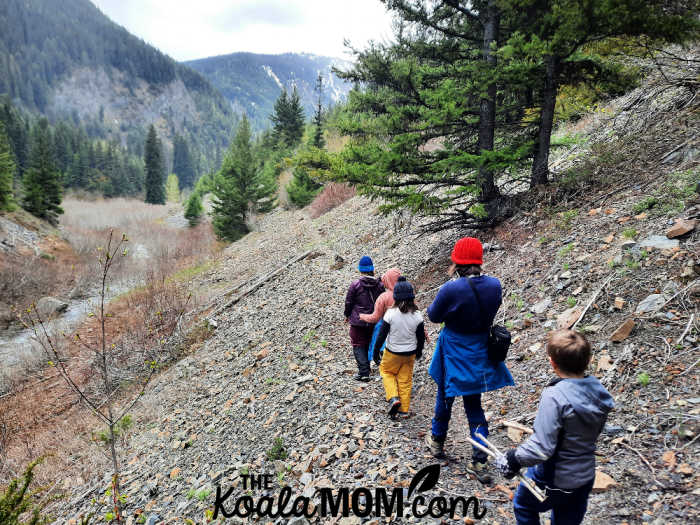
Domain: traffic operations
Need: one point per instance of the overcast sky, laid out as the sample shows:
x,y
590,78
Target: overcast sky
x,y
189,29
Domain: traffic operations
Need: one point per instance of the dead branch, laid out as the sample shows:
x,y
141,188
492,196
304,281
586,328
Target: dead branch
x,y
687,328
644,460
595,295
518,426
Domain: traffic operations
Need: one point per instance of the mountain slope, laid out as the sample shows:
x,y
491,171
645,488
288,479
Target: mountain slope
x,y
252,82
279,366
67,59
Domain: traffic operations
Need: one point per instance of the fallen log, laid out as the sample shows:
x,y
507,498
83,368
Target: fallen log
x,y
257,285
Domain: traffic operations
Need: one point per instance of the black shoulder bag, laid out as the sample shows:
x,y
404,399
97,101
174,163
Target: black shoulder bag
x,y
499,336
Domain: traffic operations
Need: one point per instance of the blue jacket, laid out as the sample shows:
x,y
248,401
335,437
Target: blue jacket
x,y
570,417
456,306
460,362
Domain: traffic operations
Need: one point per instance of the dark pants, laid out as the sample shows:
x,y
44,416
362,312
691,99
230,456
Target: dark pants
x,y
361,356
360,337
475,417
568,507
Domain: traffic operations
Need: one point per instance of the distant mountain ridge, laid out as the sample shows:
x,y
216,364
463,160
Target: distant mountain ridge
x,y
252,82
67,60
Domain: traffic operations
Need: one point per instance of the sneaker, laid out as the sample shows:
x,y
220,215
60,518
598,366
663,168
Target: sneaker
x,y
436,448
364,379
394,405
480,471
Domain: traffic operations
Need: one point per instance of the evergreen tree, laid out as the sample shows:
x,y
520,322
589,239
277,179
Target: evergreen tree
x,y
441,114
7,171
194,209
318,140
238,188
183,164
302,189
295,125
153,158
288,119
42,181
551,46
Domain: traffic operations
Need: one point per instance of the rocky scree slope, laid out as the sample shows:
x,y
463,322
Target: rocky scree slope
x,y
279,366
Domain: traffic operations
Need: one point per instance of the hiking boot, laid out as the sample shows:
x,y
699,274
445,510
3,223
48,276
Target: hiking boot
x,y
436,448
362,378
394,405
480,471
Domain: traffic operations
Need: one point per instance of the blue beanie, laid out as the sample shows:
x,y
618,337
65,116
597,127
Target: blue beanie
x,y
403,290
366,264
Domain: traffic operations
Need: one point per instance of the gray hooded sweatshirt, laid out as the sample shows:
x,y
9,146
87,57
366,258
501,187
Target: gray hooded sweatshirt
x,y
570,417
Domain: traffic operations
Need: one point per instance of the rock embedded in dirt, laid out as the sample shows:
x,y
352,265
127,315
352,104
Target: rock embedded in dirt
x,y
681,227
623,331
568,317
50,306
651,303
602,481
659,242
541,307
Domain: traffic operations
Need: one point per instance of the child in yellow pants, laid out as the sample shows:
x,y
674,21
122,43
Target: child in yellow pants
x,y
404,332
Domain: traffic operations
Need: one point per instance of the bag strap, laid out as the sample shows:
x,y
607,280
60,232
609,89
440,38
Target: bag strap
x,y
478,301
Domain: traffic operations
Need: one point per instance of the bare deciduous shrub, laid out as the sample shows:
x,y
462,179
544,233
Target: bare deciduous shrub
x,y
333,194
111,364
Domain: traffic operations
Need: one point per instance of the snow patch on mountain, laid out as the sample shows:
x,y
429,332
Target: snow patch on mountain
x,y
272,75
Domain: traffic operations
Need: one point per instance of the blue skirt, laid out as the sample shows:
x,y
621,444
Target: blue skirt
x,y
461,365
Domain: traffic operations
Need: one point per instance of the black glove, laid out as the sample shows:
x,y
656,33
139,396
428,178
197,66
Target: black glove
x,y
377,357
508,464
419,354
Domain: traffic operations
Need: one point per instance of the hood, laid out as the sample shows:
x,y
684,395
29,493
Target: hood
x,y
589,399
390,277
369,282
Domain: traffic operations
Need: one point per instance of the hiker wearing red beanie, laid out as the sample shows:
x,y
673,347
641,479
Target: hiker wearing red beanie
x,y
460,366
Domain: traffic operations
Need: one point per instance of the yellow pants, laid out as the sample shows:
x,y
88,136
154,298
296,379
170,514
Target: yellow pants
x,y
397,375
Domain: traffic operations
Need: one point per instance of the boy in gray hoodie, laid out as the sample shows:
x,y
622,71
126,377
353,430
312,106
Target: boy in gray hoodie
x,y
560,453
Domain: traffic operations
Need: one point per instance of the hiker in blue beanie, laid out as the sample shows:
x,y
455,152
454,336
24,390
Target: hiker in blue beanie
x,y
360,299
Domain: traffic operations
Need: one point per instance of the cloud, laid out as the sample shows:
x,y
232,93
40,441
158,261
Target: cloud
x,y
256,12
187,29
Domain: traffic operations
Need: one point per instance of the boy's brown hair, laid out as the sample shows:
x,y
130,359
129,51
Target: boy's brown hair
x,y
569,350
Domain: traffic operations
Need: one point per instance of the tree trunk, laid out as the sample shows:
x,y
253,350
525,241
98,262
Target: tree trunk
x,y
487,111
540,164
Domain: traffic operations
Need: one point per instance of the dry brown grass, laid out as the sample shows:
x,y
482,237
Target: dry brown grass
x,y
44,416
41,414
333,194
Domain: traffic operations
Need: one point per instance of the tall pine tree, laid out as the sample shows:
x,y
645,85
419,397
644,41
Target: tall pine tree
x,y
183,165
238,188
318,140
42,181
288,119
7,171
153,158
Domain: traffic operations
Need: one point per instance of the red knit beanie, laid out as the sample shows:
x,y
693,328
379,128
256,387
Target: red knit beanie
x,y
468,250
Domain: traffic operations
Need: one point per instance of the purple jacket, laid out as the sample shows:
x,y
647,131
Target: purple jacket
x,y
361,297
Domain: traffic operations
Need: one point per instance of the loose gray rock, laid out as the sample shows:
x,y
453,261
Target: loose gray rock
x,y
659,242
50,306
651,303
541,307
153,519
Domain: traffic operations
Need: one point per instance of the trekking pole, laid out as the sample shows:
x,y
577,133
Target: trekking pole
x,y
495,453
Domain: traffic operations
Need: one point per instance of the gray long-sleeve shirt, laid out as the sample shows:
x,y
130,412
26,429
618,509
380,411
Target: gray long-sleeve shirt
x,y
569,419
